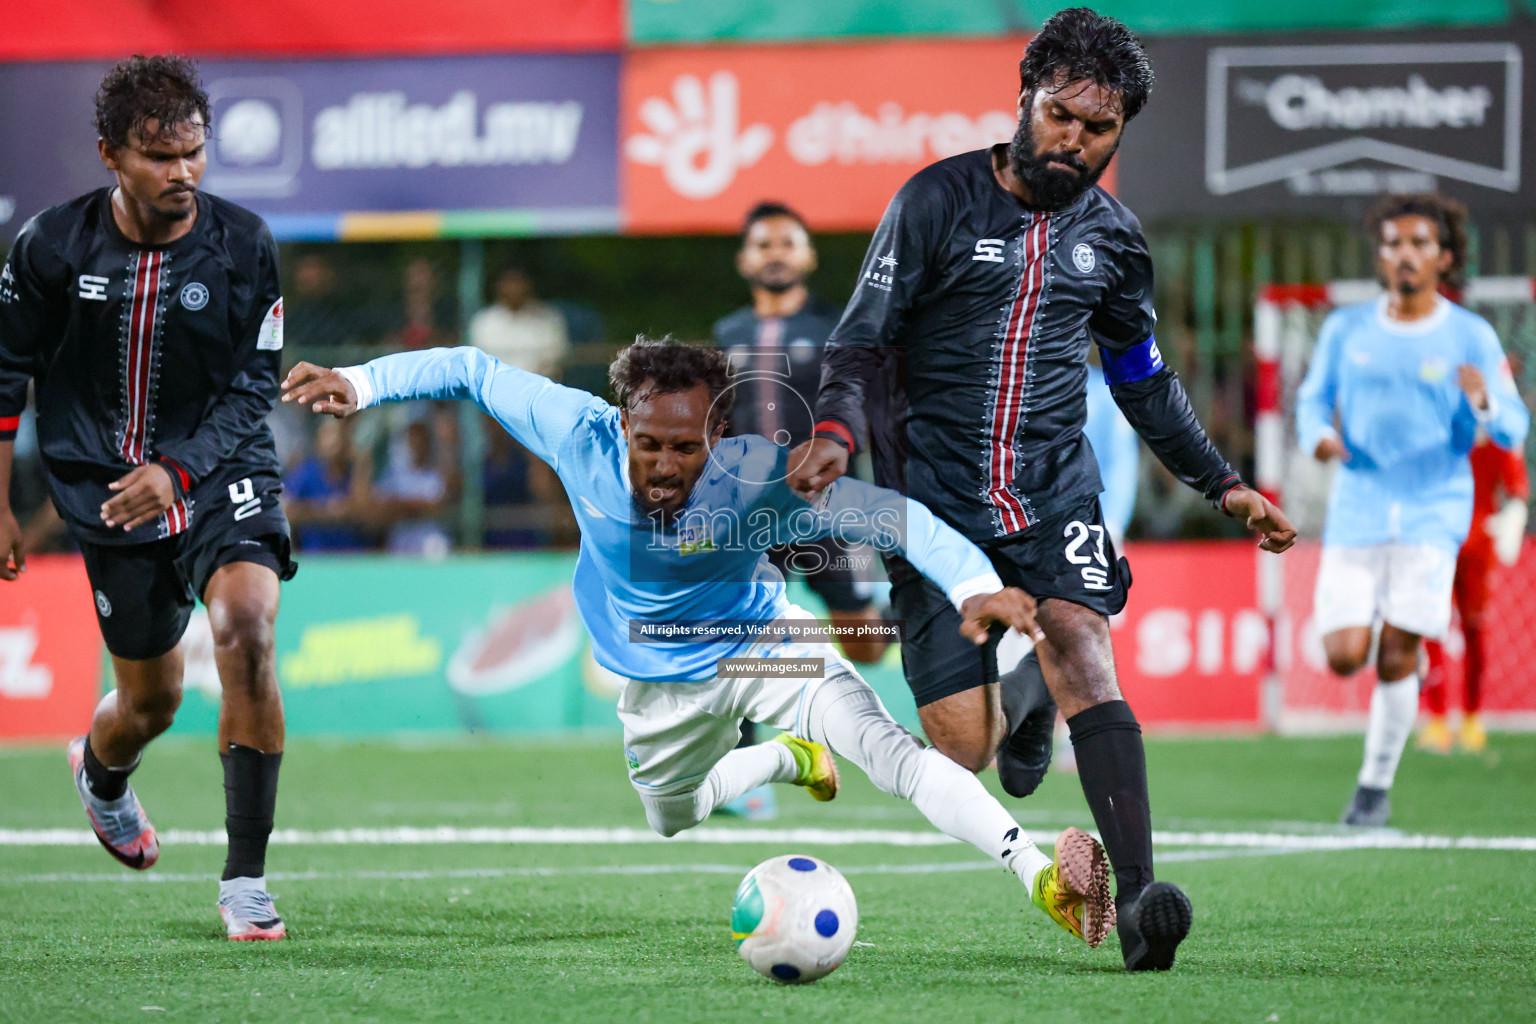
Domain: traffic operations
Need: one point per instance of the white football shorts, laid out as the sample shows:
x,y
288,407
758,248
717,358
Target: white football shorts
x,y
674,733
1403,585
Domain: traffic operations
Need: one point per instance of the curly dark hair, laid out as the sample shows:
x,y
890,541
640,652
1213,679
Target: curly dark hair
x,y
1449,215
1078,44
664,366
141,89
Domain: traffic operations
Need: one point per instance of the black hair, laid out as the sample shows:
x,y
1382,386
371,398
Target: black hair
x,y
770,208
1080,44
666,366
1448,215
141,89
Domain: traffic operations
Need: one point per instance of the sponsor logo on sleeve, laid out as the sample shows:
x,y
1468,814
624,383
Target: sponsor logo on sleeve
x,y
271,337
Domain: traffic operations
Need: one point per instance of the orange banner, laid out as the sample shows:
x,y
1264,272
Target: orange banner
x,y
832,130
50,651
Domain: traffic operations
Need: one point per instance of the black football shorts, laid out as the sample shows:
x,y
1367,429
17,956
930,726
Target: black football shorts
x,y
144,593
1070,557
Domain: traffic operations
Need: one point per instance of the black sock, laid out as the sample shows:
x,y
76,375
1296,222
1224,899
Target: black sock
x,y
250,795
1023,690
1113,768
103,782
748,733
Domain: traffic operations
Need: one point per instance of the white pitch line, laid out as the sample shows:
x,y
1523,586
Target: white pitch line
x,y
537,872
1384,839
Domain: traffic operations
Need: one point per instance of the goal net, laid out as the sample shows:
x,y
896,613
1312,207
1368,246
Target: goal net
x,y
1302,696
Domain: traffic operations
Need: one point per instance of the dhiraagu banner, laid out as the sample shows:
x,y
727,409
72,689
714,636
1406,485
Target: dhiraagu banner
x,y
374,646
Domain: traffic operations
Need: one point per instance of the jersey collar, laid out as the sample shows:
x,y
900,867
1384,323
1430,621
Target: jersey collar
x,y
1413,328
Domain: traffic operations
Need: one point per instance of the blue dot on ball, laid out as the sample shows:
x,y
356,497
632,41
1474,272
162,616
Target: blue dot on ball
x,y
786,972
826,923
802,864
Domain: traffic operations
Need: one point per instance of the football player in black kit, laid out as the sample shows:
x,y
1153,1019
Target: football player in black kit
x,y
150,317
775,346
989,277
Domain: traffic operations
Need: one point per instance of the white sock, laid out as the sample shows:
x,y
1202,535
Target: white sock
x,y
228,886
958,805
746,768
1394,706
848,717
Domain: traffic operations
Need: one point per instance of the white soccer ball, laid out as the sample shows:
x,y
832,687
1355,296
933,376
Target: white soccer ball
x,y
794,919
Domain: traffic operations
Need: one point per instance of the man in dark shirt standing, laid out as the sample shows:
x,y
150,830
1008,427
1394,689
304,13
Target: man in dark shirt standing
x,y
776,346
989,277
150,317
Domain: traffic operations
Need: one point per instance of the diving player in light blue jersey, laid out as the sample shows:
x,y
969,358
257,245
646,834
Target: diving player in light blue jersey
x,y
1411,379
675,519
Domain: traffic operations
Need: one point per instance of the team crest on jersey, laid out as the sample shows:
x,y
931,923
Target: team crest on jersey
x,y
194,296
1083,258
271,337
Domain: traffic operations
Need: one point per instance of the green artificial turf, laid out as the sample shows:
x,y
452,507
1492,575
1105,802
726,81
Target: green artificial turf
x,y
537,932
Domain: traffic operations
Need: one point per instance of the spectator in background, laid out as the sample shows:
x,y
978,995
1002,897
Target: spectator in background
x,y
415,489
525,504
775,345
316,315
427,318
518,329
327,494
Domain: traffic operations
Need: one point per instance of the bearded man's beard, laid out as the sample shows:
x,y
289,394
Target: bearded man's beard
x,y
1052,188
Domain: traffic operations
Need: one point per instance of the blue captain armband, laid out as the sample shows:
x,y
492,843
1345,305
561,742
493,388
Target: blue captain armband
x,y
1133,364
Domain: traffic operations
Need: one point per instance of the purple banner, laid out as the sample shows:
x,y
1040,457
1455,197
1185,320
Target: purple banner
x,y
305,143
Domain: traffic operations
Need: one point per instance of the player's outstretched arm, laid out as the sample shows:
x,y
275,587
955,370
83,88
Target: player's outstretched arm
x,y
1262,517
539,413
325,391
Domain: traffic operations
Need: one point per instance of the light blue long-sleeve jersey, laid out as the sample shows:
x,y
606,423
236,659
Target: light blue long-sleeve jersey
x,y
1118,452
710,565
1405,421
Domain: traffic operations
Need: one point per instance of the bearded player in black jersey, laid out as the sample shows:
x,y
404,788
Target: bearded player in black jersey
x,y
150,317
989,277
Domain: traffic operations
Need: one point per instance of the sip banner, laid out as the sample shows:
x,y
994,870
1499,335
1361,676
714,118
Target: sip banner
x,y
833,130
422,147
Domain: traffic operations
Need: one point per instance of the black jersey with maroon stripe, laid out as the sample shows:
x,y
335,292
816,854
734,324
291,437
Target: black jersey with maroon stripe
x,y
982,310
141,353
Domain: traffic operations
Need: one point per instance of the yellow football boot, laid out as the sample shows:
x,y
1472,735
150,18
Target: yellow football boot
x,y
817,768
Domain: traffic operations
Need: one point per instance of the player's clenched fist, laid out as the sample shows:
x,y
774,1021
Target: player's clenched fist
x,y
815,464
1009,606
324,391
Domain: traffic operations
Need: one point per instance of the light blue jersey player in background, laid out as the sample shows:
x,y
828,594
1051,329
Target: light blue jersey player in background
x,y
672,580
1397,391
